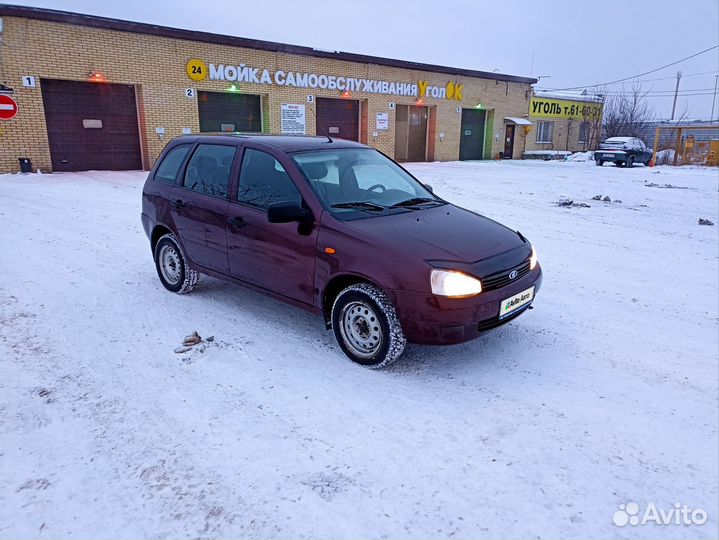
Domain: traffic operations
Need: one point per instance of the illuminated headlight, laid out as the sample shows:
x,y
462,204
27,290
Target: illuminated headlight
x,y
533,259
454,284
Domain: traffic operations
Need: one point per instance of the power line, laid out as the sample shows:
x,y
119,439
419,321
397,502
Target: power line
x,y
681,95
670,92
683,76
641,74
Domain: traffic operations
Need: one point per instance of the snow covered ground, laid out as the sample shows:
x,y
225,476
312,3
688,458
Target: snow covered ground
x,y
604,394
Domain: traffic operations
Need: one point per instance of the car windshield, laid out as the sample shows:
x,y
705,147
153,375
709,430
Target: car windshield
x,y
362,180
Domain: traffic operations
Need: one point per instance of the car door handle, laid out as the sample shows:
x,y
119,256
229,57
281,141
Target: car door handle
x,y
237,222
179,203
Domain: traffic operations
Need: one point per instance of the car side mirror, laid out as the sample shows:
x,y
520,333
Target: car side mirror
x,y
428,188
287,212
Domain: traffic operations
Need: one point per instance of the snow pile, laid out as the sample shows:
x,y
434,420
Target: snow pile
x,y
580,156
664,157
545,154
604,393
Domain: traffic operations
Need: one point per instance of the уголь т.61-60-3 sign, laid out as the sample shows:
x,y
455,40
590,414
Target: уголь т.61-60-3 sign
x,y
559,108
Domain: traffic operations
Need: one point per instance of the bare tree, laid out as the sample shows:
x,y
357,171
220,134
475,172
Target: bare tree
x,y
627,113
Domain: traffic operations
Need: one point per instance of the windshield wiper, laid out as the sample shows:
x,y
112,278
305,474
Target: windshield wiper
x,y
360,205
415,201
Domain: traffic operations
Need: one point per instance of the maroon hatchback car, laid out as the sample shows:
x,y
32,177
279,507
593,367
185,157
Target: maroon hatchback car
x,y
339,229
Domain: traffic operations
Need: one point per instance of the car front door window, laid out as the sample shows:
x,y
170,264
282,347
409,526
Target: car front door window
x,y
264,181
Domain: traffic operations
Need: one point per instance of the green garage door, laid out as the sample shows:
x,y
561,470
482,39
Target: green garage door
x,y
471,142
229,111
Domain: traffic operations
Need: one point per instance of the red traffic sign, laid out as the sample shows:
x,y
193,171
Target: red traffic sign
x,y
8,107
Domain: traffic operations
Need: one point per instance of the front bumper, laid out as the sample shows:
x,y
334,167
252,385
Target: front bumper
x,y
435,320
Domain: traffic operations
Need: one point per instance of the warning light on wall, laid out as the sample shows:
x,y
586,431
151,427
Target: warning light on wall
x,y
479,106
346,94
419,101
97,76
233,88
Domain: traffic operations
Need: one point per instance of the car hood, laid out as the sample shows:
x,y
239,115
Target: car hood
x,y
448,234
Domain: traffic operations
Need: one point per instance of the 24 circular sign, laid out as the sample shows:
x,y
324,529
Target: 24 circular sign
x,y
196,70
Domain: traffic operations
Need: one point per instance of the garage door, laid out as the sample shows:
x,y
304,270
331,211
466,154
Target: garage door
x,y
228,111
338,118
471,142
91,125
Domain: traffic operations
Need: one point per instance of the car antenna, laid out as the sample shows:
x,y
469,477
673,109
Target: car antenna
x,y
329,139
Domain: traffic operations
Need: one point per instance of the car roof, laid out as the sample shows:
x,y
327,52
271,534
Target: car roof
x,y
619,139
285,143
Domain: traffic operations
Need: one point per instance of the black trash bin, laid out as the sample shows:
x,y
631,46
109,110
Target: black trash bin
x,y
25,164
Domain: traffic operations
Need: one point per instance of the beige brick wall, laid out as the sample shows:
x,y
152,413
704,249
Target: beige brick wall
x,y
156,66
565,136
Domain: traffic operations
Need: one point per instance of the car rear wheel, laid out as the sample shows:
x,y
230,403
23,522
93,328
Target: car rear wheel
x,y
366,326
630,162
172,268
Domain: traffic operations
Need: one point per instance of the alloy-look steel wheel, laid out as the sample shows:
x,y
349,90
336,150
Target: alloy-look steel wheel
x,y
360,329
172,268
366,326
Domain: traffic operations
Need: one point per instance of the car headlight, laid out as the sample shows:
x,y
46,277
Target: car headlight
x,y
533,259
454,284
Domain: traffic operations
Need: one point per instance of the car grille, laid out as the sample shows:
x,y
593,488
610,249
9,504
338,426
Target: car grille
x,y
500,279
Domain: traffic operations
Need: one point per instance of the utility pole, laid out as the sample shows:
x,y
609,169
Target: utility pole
x,y
676,91
716,79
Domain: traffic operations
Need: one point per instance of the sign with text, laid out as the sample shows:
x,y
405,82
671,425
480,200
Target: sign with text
x,y
293,119
198,70
561,108
382,121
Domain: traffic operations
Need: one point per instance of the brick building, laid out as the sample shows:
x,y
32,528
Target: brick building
x,y
99,93
568,121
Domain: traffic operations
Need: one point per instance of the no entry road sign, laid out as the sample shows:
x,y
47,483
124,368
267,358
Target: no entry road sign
x,y
8,107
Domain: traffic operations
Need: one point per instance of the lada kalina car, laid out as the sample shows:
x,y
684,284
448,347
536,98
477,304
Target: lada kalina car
x,y
339,229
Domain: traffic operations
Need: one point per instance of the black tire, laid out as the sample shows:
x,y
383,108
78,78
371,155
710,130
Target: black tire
x,y
174,272
366,326
630,162
620,163
599,163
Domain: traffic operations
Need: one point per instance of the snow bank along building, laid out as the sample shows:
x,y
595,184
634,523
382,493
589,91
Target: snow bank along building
x,y
96,93
566,121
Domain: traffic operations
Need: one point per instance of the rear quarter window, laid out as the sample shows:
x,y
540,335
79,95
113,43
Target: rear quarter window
x,y
170,167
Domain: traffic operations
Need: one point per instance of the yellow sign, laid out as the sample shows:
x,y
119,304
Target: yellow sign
x,y
451,91
196,70
560,108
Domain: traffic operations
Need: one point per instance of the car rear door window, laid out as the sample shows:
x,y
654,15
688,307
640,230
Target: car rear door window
x,y
264,181
209,169
171,163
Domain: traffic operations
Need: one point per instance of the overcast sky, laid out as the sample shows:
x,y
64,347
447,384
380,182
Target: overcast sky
x,y
572,42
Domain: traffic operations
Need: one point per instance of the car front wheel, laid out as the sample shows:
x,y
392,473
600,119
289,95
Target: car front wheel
x,y
599,163
366,326
172,268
